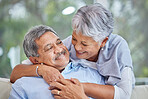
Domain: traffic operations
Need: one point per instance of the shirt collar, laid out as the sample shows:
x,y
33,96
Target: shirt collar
x,y
71,66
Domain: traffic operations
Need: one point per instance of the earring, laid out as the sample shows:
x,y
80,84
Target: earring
x,y
102,49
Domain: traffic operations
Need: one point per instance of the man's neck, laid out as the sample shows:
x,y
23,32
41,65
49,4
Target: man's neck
x,y
61,70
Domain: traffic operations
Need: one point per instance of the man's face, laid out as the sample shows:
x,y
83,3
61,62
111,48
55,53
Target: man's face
x,y
51,51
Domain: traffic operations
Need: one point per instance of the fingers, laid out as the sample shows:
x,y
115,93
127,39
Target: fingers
x,y
51,74
56,92
49,79
55,77
75,81
68,81
61,77
64,81
57,97
56,85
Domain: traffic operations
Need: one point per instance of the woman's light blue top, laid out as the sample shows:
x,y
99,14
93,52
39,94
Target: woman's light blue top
x,y
114,64
111,60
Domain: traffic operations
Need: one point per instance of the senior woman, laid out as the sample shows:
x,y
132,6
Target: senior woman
x,y
93,44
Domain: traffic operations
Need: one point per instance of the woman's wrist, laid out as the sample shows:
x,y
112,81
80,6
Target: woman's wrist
x,y
85,97
85,87
39,70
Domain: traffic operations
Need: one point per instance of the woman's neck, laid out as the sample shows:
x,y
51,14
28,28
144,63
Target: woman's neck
x,y
94,58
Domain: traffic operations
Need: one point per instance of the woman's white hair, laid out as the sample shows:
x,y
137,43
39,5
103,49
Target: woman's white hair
x,y
94,21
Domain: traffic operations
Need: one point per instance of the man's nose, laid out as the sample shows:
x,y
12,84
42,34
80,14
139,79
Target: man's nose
x,y
57,49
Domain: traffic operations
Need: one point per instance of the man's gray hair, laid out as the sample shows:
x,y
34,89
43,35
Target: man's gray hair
x,y
94,21
29,44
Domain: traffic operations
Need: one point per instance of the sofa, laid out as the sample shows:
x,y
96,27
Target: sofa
x,y
139,92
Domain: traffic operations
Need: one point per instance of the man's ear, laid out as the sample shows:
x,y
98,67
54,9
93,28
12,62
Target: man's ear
x,y
33,60
104,42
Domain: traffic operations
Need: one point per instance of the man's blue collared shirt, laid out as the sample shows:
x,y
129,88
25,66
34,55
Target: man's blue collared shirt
x,y
37,88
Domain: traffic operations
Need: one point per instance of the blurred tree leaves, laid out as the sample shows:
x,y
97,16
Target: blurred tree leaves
x,y
130,22
17,16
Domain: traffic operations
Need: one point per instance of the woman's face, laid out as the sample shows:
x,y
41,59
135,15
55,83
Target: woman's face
x,y
86,47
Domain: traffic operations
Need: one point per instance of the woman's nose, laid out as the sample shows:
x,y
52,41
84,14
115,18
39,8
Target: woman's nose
x,y
78,47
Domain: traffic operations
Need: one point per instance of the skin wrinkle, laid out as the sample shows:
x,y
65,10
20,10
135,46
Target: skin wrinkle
x,y
31,36
53,53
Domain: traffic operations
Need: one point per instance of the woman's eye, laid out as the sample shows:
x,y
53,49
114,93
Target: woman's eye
x,y
50,48
74,39
84,44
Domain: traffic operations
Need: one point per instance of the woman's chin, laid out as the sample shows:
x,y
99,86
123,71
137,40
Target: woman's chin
x,y
81,57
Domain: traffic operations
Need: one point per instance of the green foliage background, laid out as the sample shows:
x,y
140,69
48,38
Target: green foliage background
x,y
131,23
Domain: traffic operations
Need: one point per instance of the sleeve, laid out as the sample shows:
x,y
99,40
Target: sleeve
x,y
67,42
124,56
112,60
123,89
27,61
17,91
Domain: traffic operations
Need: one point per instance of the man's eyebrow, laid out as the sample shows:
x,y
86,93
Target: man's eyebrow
x,y
47,46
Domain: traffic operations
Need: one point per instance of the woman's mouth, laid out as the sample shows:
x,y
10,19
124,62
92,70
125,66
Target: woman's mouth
x,y
80,53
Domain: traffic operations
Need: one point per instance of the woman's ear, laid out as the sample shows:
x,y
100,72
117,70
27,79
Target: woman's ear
x,y
33,60
104,42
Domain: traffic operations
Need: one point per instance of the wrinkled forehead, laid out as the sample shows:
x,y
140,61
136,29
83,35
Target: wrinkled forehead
x,y
47,38
48,35
83,38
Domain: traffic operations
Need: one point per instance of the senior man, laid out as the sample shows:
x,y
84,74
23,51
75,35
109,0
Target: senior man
x,y
43,46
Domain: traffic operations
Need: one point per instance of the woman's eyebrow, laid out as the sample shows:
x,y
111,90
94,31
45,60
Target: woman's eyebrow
x,y
58,39
73,36
83,42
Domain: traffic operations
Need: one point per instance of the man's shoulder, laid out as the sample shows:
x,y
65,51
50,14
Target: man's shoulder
x,y
27,83
25,79
29,86
28,80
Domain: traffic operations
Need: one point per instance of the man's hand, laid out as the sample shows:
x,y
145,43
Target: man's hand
x,y
67,89
49,74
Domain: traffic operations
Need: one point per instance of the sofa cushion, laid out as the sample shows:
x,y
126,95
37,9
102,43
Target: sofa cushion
x,y
5,87
140,92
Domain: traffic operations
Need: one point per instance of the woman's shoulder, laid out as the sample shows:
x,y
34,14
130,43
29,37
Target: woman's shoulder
x,y
67,38
116,44
116,39
67,42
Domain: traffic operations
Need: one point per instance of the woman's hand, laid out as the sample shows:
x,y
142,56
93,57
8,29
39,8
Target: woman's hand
x,y
49,74
67,89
